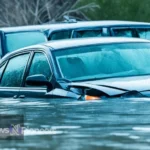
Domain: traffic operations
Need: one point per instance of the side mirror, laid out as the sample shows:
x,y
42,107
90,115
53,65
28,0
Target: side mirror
x,y
38,80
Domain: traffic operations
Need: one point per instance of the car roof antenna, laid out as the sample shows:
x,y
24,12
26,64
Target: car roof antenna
x,y
69,20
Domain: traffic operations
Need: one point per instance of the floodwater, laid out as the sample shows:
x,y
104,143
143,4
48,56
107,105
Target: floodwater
x,y
112,124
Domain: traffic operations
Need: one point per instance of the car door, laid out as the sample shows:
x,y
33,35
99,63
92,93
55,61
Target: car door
x,y
11,75
38,65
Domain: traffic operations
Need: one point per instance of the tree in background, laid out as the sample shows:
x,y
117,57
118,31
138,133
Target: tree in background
x,y
28,12
133,10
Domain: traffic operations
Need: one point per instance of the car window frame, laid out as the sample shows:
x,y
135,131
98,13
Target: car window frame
x,y
3,46
36,50
7,61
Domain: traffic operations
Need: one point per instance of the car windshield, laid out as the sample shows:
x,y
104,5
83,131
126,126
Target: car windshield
x,y
103,61
22,39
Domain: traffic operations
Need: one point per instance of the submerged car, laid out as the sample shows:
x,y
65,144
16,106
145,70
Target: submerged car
x,y
84,29
83,69
13,38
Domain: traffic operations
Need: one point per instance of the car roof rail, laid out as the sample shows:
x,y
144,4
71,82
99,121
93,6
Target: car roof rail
x,y
67,19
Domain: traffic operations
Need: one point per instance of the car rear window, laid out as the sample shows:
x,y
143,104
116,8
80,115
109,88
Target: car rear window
x,y
22,39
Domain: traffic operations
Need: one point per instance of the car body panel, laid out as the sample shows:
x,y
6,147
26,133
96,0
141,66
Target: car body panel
x,y
33,92
107,90
9,92
139,83
116,86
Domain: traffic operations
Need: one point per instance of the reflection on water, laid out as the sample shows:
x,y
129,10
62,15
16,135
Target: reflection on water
x,y
72,125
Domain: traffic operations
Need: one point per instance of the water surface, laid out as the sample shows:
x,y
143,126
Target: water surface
x,y
76,125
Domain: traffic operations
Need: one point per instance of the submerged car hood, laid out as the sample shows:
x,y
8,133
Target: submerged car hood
x,y
115,86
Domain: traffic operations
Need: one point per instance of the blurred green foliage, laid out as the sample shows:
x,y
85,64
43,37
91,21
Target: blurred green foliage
x,y
135,10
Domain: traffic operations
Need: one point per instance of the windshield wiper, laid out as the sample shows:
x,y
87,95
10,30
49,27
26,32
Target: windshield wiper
x,y
132,94
112,87
128,93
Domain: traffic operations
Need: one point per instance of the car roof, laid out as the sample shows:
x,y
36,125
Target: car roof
x,y
88,24
24,28
61,44
63,25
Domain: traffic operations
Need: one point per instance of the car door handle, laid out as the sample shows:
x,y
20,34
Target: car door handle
x,y
15,96
22,96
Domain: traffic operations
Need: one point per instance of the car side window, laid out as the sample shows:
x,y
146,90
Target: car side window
x,y
13,74
59,35
144,33
40,65
88,33
123,32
